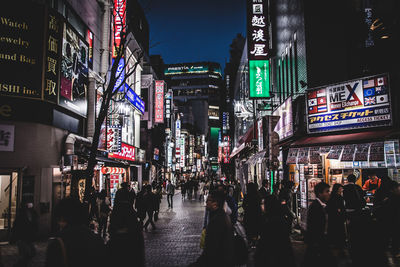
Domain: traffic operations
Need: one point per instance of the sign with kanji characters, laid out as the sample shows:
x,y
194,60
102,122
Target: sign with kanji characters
x,y
356,104
259,79
7,137
114,138
257,30
119,17
159,102
52,57
74,72
21,49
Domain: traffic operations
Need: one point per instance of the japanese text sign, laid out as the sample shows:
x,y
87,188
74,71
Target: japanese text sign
x,y
127,153
257,29
361,103
159,102
259,79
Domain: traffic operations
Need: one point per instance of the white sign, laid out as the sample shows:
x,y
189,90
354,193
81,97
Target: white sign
x,y
7,137
284,127
182,161
260,135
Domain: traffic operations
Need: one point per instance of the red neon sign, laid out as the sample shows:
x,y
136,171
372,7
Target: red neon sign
x,y
119,14
127,153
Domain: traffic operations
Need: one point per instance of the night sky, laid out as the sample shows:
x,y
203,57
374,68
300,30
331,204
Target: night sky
x,y
194,30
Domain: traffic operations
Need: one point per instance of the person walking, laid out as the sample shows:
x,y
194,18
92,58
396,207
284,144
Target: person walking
x,y
74,245
336,218
170,194
219,239
126,238
252,213
183,189
317,251
105,208
264,191
149,204
274,247
24,233
140,205
201,190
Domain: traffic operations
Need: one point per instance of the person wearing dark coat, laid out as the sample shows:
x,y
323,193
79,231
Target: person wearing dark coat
x,y
219,240
75,245
125,195
140,206
264,192
336,217
274,247
24,233
317,251
149,200
126,238
252,212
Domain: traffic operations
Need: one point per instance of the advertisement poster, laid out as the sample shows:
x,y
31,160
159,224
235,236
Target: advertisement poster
x,y
292,156
284,127
74,72
356,104
315,156
127,153
377,152
348,153
7,137
302,157
361,152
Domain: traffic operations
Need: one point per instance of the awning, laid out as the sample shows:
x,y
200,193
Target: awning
x,y
256,158
353,138
237,150
248,136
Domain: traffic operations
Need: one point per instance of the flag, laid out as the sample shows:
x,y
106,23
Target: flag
x,y
382,99
312,102
380,90
321,100
322,108
369,101
368,83
312,110
381,81
369,92
312,94
321,93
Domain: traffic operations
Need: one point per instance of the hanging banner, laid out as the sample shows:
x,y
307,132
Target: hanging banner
x,y
159,102
356,104
119,19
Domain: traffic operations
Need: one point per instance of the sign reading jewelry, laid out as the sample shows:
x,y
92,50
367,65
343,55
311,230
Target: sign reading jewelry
x,y
361,103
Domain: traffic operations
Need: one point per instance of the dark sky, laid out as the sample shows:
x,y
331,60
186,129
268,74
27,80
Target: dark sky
x,y
194,30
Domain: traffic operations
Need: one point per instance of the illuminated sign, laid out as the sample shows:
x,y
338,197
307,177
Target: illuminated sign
x,y
259,79
362,103
192,69
114,138
284,127
127,153
183,155
119,15
134,99
119,75
159,102
90,40
257,29
168,104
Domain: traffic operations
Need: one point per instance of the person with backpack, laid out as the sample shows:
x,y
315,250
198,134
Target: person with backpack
x,y
105,209
219,239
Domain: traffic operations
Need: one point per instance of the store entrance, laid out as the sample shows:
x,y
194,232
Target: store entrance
x,y
8,203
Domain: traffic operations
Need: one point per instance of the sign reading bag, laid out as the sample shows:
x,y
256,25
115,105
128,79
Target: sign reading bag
x,y
356,104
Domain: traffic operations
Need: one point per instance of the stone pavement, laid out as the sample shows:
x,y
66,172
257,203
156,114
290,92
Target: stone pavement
x,y
176,241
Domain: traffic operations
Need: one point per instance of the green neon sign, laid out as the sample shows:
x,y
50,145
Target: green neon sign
x,y
259,79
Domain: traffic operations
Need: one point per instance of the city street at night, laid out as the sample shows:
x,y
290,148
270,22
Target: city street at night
x,y
202,133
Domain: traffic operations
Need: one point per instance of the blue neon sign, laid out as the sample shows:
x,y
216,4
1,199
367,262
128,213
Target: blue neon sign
x,y
134,99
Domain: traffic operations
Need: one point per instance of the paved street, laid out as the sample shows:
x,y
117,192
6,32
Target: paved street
x,y
176,240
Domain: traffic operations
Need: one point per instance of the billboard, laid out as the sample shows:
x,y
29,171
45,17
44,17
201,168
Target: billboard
x,y
284,127
259,79
74,72
127,153
195,68
356,104
257,29
159,102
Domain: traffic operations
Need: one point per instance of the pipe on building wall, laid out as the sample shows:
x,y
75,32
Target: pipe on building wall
x,y
71,140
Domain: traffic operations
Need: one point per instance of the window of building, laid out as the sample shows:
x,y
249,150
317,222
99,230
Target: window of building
x,y
287,74
280,89
291,75
296,69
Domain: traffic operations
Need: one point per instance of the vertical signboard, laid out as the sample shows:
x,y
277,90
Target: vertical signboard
x,y
260,134
183,155
114,138
257,29
119,15
159,102
52,57
90,40
259,79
